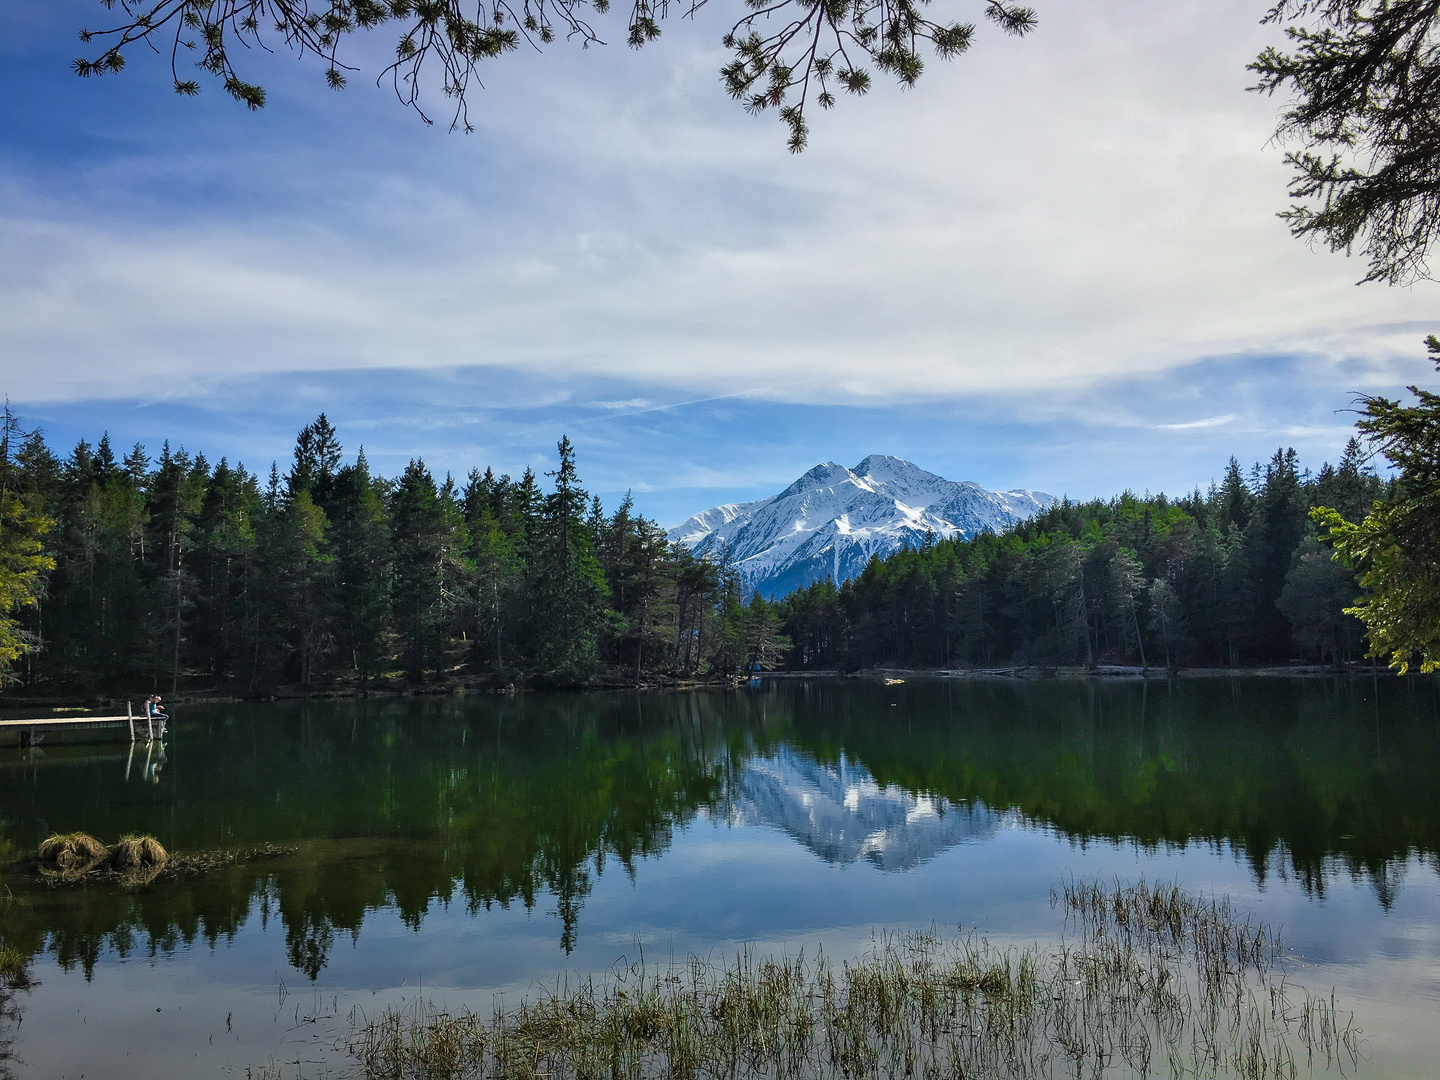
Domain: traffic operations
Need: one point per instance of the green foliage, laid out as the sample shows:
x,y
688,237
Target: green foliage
x,y
567,585
329,575
1317,598
1365,80
23,562
1397,546
1400,602
810,49
1223,578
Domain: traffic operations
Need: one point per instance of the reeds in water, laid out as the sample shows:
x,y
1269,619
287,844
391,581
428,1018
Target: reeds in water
x,y
14,967
1152,982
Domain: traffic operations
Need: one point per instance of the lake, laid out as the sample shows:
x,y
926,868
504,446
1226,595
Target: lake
x,y
467,848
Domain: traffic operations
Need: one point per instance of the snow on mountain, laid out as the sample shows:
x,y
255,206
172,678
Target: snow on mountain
x,y
832,520
841,814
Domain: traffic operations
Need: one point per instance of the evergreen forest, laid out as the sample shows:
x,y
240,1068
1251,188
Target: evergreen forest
x,y
182,574
176,574
1235,576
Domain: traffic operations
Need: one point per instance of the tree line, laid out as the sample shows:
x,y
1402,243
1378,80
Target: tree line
x,y
1235,575
171,573
123,572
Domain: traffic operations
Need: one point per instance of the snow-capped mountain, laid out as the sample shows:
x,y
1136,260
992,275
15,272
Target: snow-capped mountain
x,y
832,520
841,814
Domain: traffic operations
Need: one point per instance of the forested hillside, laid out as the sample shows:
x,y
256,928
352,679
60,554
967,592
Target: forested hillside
x,y
182,574
1233,576
179,574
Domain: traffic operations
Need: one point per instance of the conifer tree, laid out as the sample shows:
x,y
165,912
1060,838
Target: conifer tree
x,y
567,584
173,499
1397,546
418,542
225,564
1272,535
359,539
798,60
23,561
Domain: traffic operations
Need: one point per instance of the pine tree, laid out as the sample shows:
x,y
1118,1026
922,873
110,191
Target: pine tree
x,y
23,562
173,499
1396,547
567,584
1274,531
359,539
418,548
225,542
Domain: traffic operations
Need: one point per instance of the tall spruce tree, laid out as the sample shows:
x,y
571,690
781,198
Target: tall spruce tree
x,y
23,561
226,545
567,584
173,500
359,540
418,547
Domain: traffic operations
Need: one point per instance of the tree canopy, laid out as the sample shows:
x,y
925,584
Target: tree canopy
x,y
786,54
1397,545
1364,76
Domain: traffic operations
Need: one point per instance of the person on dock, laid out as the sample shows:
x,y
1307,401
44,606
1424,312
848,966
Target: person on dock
x,y
154,708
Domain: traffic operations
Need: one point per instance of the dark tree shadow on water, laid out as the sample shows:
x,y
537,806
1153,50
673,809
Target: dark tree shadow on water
x,y
12,986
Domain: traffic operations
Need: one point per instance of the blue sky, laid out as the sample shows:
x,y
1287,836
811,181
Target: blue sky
x,y
1054,264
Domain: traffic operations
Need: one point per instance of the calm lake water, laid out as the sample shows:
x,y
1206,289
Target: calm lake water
x,y
462,848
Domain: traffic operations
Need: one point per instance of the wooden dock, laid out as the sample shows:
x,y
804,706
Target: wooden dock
x,y
30,731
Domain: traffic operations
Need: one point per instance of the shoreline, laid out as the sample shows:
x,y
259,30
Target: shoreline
x,y
1101,673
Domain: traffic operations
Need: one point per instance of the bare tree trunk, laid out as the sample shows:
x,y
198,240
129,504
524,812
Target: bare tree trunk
x,y
1139,641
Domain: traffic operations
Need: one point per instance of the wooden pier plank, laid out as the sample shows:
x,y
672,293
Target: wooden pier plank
x,y
68,721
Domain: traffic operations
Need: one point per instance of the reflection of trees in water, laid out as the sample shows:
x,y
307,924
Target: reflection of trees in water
x,y
401,806
1303,780
307,946
12,987
537,799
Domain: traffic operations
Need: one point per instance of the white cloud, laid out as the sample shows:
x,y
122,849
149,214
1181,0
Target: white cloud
x,y
1094,202
1208,422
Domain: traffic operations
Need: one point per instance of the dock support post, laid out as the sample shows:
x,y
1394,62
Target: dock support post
x,y
130,719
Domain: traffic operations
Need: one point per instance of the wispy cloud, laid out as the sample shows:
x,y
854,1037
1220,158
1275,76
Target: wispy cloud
x,y
1191,425
1055,264
1041,214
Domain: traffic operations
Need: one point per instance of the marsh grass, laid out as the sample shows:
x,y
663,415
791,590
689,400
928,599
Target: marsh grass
x,y
136,860
135,852
14,967
72,855
1146,981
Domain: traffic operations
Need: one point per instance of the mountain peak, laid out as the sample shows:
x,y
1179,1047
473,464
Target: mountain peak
x,y
826,474
883,464
831,520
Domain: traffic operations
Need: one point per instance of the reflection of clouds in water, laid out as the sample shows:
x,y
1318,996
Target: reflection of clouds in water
x,y
10,1017
841,813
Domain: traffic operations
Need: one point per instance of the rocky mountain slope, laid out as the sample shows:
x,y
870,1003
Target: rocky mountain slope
x,y
832,520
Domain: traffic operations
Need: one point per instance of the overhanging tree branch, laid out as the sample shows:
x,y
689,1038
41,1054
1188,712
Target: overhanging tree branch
x,y
1364,76
809,45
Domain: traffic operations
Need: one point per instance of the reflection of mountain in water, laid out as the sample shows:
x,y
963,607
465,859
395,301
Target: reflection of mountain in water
x,y
841,813
403,804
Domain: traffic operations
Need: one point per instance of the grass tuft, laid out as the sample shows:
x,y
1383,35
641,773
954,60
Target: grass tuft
x,y
71,856
14,967
137,852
